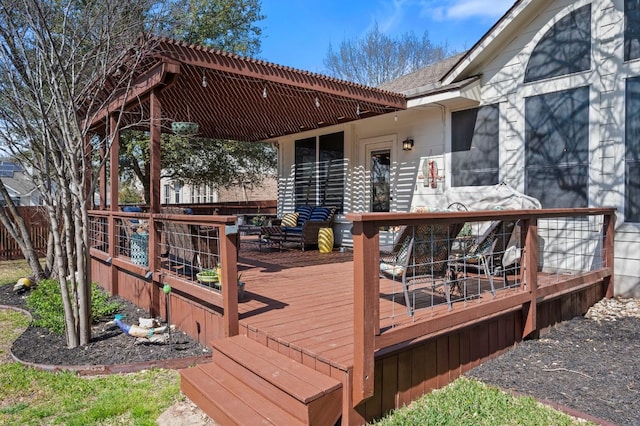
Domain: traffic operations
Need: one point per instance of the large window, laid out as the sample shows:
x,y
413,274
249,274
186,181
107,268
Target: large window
x,y
320,170
564,49
631,29
632,151
474,146
557,148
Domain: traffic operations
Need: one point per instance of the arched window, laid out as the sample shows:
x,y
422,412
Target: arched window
x,y
564,49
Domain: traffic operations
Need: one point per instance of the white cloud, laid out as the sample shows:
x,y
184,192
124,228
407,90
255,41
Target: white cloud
x,y
466,9
390,15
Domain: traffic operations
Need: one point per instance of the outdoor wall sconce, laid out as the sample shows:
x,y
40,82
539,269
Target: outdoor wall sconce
x,y
407,144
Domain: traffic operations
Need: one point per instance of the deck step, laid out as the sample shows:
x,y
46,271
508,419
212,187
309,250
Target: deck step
x,y
229,401
248,381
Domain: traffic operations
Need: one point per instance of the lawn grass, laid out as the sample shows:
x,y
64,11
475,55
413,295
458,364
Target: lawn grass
x,y
468,402
33,397
12,270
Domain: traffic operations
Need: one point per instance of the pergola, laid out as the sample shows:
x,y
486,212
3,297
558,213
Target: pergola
x,y
230,97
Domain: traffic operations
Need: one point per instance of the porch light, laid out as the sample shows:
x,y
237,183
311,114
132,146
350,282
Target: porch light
x,y
407,144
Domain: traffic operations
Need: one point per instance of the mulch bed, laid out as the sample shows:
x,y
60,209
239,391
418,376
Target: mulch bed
x,y
586,365
108,346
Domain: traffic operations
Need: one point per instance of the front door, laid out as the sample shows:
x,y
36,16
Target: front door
x,y
377,159
380,177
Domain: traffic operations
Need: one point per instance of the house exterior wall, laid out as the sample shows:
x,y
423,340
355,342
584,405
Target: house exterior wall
x,y
502,67
503,83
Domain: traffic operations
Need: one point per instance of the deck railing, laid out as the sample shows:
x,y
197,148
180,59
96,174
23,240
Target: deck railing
x,y
457,268
172,249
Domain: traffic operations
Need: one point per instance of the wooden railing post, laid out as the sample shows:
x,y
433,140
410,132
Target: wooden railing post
x,y
609,228
530,232
229,260
113,199
366,258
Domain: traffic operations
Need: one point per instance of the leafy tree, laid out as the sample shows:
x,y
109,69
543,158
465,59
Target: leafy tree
x,y
227,25
197,161
377,58
128,194
54,58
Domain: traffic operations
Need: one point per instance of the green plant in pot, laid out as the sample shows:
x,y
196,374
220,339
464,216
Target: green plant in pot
x,y
208,276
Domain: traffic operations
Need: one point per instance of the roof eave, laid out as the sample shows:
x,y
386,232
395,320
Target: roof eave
x,y
464,91
494,33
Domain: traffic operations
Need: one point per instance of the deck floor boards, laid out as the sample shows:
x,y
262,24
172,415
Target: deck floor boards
x,y
302,302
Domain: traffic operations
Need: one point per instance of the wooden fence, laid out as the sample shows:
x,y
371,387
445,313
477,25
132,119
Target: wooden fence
x,y
36,221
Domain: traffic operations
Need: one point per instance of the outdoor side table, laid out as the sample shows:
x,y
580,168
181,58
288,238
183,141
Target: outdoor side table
x,y
325,240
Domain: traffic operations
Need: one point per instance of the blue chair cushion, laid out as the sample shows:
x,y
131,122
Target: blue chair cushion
x,y
304,213
320,214
292,230
132,209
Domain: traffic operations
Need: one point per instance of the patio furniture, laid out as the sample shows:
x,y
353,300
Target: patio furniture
x,y
420,254
308,223
178,244
483,254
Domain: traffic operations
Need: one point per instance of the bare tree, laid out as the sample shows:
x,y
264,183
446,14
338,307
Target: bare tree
x,y
54,58
378,58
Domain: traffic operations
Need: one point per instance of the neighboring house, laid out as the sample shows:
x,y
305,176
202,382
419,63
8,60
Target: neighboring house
x,y
21,190
547,101
176,192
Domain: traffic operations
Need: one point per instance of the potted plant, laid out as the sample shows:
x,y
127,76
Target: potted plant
x,y
207,276
218,281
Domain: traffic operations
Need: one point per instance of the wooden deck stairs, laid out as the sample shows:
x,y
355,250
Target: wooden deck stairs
x,y
248,383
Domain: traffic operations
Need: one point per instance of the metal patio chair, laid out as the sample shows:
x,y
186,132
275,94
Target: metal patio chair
x,y
420,254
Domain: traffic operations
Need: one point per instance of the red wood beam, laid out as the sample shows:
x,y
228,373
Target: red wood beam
x,y
452,320
229,259
609,228
155,112
530,229
366,283
143,85
114,153
102,175
571,285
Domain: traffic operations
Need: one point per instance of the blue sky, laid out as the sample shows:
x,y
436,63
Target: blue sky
x,y
297,33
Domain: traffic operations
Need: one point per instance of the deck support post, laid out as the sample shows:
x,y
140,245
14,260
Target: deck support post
x,y
530,232
229,260
114,234
366,282
609,230
154,179
155,115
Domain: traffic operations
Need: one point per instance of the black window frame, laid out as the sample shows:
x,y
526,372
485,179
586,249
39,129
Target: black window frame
x,y
632,150
631,30
320,170
475,146
557,147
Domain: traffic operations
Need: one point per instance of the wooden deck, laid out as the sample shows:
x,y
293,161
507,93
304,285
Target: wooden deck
x,y
301,303
329,315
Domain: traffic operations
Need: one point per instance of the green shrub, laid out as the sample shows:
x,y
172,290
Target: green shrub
x,y
45,302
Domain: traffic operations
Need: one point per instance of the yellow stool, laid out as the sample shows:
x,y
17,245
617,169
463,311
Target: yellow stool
x,y
325,240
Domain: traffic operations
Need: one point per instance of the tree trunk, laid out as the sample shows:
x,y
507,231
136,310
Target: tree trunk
x,y
14,224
